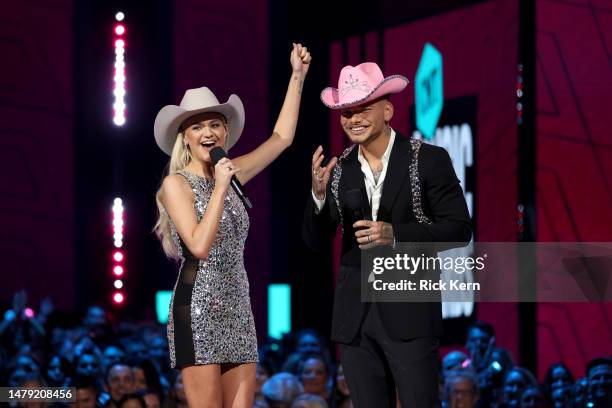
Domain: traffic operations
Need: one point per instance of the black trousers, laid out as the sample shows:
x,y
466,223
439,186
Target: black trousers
x,y
376,367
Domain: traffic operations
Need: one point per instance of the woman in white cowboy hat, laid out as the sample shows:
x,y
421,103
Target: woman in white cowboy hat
x,y
203,223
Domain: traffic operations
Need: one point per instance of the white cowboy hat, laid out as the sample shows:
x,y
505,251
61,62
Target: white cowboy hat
x,y
195,101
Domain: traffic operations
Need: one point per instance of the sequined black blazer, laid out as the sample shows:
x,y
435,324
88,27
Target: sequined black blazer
x,y
423,201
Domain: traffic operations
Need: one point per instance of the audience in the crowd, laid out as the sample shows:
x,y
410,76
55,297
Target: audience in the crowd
x,y
112,354
309,401
461,389
281,390
262,374
455,360
516,382
314,375
176,396
341,396
558,381
533,397
599,376
119,382
126,365
58,371
86,391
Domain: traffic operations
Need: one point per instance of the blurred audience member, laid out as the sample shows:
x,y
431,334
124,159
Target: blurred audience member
x,y
158,352
86,391
281,389
341,396
112,354
119,382
33,381
58,371
151,398
480,343
132,400
461,389
562,397
557,376
516,381
491,378
307,342
309,401
581,392
176,396
455,360
87,364
19,327
314,375
262,374
145,375
533,397
599,375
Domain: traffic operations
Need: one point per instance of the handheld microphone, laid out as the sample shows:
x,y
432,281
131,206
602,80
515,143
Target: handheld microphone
x,y
217,153
354,204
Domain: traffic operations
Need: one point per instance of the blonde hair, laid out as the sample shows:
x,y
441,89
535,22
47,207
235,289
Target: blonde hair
x,y
179,159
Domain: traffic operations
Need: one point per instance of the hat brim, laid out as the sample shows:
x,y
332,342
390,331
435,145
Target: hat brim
x,y
170,118
390,85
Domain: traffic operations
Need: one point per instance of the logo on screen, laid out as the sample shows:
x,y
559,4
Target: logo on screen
x,y
429,95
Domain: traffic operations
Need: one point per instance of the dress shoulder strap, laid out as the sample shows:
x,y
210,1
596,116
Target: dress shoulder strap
x,y
190,177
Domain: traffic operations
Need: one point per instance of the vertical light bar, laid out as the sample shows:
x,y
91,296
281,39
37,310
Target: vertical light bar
x,y
118,255
119,77
279,309
162,305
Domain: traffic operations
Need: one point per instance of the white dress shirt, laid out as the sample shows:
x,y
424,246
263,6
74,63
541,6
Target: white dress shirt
x,y
373,188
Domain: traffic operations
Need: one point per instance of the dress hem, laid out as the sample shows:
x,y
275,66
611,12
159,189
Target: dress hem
x,y
181,366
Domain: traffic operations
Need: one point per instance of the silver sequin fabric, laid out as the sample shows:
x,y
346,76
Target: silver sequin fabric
x,y
222,324
335,181
415,183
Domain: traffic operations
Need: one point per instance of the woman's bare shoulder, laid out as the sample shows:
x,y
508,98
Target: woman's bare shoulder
x,y
175,185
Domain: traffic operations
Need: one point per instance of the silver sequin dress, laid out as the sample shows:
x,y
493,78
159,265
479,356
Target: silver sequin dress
x,y
210,320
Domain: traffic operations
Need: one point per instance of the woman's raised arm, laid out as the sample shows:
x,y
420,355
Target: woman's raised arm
x,y
255,161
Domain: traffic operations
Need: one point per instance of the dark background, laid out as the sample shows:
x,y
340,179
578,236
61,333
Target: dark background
x,y
64,161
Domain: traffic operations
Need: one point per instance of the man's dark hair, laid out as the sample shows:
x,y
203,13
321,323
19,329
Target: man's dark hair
x,y
113,365
139,396
150,373
597,362
483,326
84,381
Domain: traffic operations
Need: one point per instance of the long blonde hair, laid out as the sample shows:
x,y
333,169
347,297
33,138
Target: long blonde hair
x,y
179,159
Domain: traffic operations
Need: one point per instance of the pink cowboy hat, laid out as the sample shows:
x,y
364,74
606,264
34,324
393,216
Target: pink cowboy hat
x,y
361,84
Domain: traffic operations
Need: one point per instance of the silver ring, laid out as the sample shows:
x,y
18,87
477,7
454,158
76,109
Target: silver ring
x,y
369,239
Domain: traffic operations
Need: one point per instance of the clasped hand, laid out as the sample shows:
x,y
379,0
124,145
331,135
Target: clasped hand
x,y
373,233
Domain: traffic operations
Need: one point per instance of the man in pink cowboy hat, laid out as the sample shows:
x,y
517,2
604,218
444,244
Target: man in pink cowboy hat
x,y
407,191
